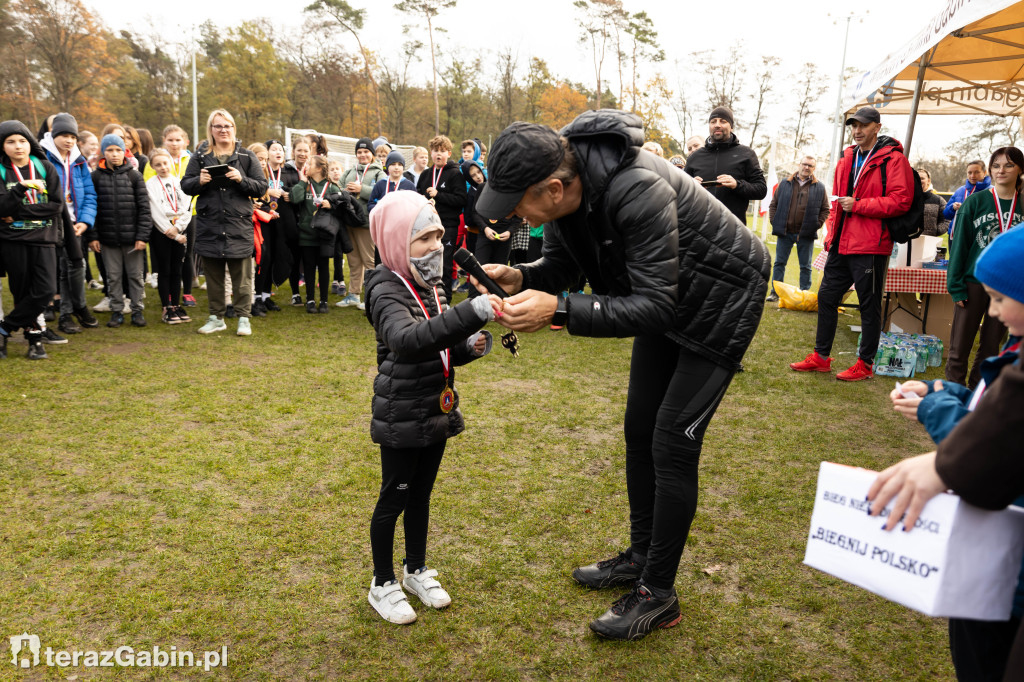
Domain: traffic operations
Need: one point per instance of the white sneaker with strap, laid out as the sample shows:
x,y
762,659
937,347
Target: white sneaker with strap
x,y
423,583
390,602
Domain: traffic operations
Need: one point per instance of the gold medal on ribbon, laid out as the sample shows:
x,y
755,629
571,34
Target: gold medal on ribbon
x,y
447,399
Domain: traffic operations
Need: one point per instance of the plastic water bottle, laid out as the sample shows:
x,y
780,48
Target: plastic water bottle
x,y
935,359
923,356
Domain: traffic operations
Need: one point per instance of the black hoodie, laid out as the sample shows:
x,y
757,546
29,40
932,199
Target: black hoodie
x,y
39,223
451,194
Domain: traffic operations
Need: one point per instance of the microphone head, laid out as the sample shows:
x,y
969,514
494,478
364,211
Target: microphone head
x,y
463,257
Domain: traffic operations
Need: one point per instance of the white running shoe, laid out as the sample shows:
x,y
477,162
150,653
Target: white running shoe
x,y
213,324
390,602
423,583
103,306
244,329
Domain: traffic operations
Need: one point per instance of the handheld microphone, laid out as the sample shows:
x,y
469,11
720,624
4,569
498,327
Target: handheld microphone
x,y
470,264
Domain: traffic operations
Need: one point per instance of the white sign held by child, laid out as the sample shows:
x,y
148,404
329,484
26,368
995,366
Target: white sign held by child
x,y
958,561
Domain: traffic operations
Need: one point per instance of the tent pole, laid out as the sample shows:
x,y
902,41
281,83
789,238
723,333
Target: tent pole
x,y
913,105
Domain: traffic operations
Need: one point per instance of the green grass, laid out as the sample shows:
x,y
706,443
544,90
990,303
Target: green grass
x,y
165,488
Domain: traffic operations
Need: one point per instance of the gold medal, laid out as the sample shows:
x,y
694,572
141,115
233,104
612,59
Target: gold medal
x,y
447,399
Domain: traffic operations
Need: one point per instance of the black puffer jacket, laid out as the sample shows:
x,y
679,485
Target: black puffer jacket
x,y
410,375
122,206
224,207
729,157
661,254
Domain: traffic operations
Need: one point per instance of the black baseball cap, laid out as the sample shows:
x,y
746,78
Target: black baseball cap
x,y
865,115
523,155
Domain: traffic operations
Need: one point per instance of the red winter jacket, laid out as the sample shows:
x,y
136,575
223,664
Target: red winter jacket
x,y
862,228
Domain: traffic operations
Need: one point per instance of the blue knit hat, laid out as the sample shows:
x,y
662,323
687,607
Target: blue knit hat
x,y
395,157
999,265
111,139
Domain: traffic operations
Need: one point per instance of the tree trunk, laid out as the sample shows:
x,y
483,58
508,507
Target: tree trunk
x,y
373,82
433,68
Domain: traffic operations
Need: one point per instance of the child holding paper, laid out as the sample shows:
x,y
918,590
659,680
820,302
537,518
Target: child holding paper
x,y
415,407
979,649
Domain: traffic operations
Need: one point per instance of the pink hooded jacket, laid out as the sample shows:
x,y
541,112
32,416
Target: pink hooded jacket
x,y
391,224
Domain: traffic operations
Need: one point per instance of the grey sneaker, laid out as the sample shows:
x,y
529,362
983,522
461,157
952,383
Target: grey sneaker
x,y
213,324
243,327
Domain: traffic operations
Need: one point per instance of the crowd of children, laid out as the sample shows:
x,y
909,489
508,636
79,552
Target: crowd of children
x,y
125,197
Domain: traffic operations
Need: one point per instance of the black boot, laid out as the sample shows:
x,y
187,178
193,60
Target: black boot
x,y
258,309
86,319
35,346
271,306
67,324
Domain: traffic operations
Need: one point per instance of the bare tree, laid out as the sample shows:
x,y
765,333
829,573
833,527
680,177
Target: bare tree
x,y
350,19
645,46
723,77
429,9
396,87
507,63
812,86
762,95
599,22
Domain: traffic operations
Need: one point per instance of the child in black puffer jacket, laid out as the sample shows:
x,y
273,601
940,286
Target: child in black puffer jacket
x,y
415,407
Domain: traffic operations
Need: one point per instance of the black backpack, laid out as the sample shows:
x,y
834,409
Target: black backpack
x,y
910,225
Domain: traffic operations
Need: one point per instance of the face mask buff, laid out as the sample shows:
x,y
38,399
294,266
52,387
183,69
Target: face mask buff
x,y
428,268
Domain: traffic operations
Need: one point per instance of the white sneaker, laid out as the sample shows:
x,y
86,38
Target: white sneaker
x,y
103,306
213,324
203,285
95,285
424,585
151,280
361,305
390,602
244,329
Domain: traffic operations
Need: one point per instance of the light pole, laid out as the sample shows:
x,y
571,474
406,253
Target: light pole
x,y
833,153
195,102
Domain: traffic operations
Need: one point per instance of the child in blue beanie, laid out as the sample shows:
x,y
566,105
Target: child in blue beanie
x,y
979,649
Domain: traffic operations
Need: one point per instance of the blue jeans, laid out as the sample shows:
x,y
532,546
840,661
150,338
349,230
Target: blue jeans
x,y
804,251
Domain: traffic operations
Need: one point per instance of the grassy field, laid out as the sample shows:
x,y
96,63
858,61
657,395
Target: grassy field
x,y
165,488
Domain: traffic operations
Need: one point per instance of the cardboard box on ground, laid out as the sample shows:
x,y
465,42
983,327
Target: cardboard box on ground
x,y
906,309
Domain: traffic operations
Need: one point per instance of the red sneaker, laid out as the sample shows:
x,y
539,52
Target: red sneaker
x,y
812,363
861,370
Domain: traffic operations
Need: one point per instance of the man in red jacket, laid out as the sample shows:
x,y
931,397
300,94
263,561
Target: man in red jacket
x,y
873,181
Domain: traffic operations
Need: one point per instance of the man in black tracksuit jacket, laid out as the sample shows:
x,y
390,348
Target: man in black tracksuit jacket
x,y
669,265
724,160
444,184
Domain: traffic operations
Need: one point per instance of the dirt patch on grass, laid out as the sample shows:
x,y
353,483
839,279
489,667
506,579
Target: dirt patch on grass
x,y
124,348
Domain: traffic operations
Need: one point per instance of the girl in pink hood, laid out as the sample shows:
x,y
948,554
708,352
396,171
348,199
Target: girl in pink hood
x,y
420,341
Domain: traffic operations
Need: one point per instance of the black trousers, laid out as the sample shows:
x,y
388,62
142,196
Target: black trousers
x,y
866,273
32,278
188,267
296,272
167,256
491,251
315,266
965,329
673,394
264,278
407,480
980,649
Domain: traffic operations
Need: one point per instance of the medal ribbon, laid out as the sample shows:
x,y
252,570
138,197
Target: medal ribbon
x,y
446,353
436,173
67,180
32,195
999,212
275,179
312,190
860,169
172,198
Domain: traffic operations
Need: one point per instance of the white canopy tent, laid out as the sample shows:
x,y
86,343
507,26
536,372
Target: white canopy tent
x,y
968,59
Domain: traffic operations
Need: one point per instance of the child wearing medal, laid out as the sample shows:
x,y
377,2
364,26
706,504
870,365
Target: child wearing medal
x,y
314,193
393,182
171,212
983,216
415,407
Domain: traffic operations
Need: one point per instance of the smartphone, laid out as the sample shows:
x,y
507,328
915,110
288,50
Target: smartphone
x,y
710,183
218,171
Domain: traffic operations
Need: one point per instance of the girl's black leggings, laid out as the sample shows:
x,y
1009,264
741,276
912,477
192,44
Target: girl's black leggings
x,y
315,266
167,256
672,396
407,479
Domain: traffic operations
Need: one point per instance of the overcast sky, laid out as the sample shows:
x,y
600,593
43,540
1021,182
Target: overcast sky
x,y
811,31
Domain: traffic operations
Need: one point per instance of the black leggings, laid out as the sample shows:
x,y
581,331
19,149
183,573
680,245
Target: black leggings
x,y
407,479
315,264
673,394
866,272
167,256
296,271
188,266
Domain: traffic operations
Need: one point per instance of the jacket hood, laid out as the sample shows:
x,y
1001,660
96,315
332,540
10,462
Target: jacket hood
x,y
884,144
8,128
984,183
604,141
464,167
391,228
50,148
731,141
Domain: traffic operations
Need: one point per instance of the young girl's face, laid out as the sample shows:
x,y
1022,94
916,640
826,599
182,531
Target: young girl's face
x,y
475,174
114,155
1004,171
335,173
301,152
175,142
88,146
382,154
162,165
276,155
425,241
263,158
1010,311
17,147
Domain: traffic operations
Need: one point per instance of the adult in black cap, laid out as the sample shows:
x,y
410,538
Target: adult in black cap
x,y
669,265
731,167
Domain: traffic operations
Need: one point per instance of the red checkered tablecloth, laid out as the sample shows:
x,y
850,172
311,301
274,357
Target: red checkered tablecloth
x,y
917,280
819,262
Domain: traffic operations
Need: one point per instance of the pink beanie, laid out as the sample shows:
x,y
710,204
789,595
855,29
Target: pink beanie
x,y
391,223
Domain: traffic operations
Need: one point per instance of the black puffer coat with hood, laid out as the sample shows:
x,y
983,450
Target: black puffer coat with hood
x,y
661,254
41,223
122,206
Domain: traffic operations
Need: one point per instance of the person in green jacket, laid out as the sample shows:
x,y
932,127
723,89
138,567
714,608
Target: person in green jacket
x,y
359,181
981,217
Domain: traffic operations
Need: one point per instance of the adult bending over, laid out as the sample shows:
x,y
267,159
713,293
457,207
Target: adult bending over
x,y
224,231
669,265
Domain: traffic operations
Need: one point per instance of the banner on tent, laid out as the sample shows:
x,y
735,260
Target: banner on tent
x,y
959,98
956,14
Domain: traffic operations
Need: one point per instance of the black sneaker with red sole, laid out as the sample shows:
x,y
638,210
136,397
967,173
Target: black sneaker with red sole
x,y
636,613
